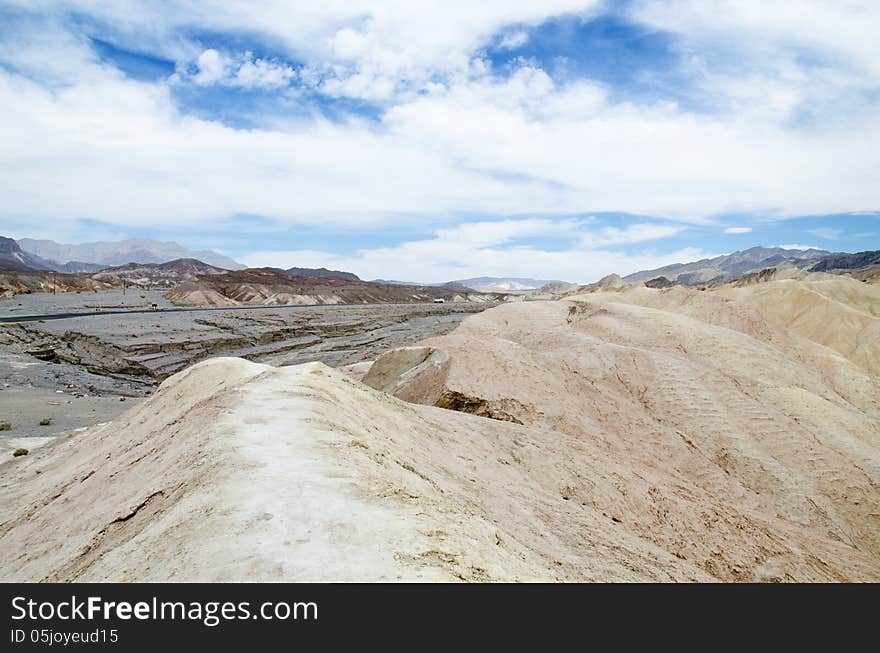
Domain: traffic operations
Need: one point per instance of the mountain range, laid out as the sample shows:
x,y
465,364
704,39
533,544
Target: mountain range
x,y
855,261
90,257
482,284
151,263
733,266
14,259
262,286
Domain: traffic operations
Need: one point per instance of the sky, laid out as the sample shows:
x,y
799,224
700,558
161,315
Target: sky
x,y
429,141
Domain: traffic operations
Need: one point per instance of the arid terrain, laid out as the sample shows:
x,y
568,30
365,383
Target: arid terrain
x,y
76,371
262,286
730,267
622,433
17,283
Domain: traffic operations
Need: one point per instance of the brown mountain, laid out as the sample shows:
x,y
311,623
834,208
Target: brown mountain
x,y
864,266
157,274
14,282
323,273
258,286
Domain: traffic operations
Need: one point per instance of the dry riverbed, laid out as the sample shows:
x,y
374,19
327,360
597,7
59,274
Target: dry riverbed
x,y
80,371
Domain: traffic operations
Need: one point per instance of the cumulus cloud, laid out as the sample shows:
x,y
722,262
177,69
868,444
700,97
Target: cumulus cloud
x,y
489,248
454,137
497,232
796,246
634,233
513,40
213,67
776,61
738,230
843,34
262,73
403,43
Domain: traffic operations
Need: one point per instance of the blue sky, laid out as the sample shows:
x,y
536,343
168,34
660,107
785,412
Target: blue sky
x,y
564,139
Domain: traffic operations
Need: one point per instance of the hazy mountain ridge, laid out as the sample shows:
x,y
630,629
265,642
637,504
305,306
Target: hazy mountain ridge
x,y
75,267
505,284
21,272
483,284
729,267
452,285
123,252
14,259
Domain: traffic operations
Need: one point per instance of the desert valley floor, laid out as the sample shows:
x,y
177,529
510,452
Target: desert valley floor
x,y
620,433
81,371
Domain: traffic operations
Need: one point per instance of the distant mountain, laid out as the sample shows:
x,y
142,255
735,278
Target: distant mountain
x,y
323,273
732,266
137,250
271,286
157,274
394,282
13,259
482,284
21,272
847,261
448,285
558,287
74,267
30,281
505,284
864,266
456,286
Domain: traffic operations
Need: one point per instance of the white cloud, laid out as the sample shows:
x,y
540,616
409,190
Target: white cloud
x,y
809,61
114,149
514,40
634,233
485,248
427,265
738,230
213,67
263,74
81,140
404,42
828,233
796,246
844,33
489,233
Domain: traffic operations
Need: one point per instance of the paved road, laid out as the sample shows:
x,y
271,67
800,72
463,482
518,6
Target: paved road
x,y
262,307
